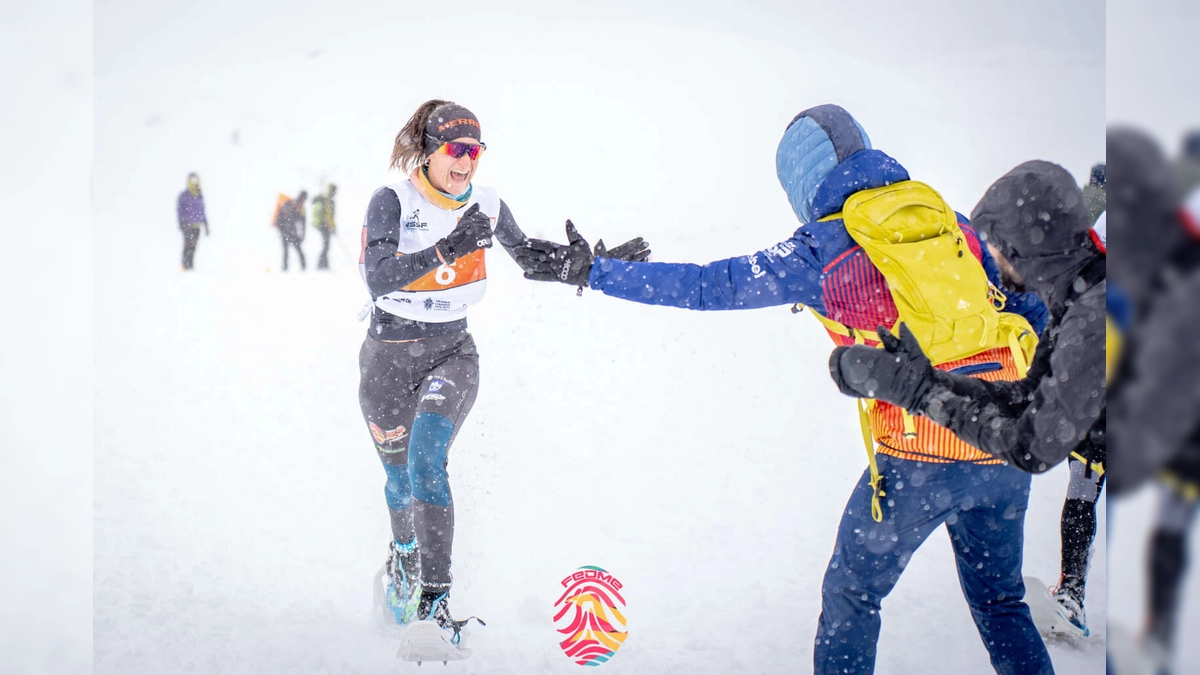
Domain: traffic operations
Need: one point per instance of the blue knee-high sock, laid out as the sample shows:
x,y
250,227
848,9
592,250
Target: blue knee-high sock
x,y
427,450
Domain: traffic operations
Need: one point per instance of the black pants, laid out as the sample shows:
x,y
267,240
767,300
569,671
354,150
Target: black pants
x,y
414,398
1167,559
190,236
288,242
1077,528
323,261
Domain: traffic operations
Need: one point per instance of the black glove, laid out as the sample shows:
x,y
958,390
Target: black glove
x,y
634,250
547,261
899,373
473,232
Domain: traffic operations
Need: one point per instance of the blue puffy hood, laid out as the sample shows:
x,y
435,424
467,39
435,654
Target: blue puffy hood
x,y
818,141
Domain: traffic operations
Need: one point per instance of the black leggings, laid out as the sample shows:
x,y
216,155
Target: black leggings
x,y
1167,561
414,398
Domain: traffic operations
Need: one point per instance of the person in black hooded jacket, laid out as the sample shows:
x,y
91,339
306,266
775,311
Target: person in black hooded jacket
x,y
1158,272
1155,398
1035,219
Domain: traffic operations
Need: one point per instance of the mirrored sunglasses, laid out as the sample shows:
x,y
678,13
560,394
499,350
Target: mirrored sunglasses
x,y
456,149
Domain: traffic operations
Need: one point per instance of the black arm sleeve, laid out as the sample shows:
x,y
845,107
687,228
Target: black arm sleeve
x,y
1009,397
507,231
1061,401
386,269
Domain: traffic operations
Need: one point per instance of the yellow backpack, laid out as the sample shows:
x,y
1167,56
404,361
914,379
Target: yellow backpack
x,y
941,291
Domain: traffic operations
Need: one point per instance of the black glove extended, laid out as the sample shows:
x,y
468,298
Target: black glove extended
x,y
547,261
473,232
634,250
899,373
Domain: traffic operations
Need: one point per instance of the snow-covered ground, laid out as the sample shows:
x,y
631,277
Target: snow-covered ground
x,y
46,338
702,458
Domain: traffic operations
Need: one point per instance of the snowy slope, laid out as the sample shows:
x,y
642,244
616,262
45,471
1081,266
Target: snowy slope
x,y
45,338
702,458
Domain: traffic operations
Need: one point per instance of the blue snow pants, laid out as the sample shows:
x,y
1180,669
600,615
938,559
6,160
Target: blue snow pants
x,y
983,508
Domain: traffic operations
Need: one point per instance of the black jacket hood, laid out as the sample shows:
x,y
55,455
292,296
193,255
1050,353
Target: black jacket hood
x,y
1143,221
1036,216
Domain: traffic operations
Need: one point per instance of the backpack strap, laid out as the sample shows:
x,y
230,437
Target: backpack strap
x,y
858,335
878,489
865,406
1098,467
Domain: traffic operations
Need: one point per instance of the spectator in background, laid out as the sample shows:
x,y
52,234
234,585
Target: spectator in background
x,y
1156,431
1093,192
323,221
189,210
1158,275
289,220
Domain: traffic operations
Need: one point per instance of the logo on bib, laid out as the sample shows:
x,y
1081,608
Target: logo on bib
x,y
413,221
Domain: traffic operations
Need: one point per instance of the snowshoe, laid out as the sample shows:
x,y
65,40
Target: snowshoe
x,y
435,635
1057,614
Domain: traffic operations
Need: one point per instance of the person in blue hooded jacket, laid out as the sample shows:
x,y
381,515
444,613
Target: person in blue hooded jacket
x,y
823,159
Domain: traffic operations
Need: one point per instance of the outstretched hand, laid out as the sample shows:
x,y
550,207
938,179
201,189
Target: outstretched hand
x,y
899,373
634,250
545,260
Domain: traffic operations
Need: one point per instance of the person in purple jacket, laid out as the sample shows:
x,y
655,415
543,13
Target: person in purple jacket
x,y
189,209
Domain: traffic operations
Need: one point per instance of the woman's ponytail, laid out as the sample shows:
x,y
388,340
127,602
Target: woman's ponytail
x,y
409,151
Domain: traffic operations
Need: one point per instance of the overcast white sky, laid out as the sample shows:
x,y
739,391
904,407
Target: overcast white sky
x,y
222,31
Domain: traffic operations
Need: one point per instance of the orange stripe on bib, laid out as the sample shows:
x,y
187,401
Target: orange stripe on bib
x,y
465,270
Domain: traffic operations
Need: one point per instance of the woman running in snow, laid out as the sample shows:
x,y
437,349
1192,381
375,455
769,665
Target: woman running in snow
x,y
423,243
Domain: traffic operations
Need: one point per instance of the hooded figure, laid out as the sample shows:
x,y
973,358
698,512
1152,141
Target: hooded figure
x,y
823,160
1143,219
1158,271
1155,429
1036,219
